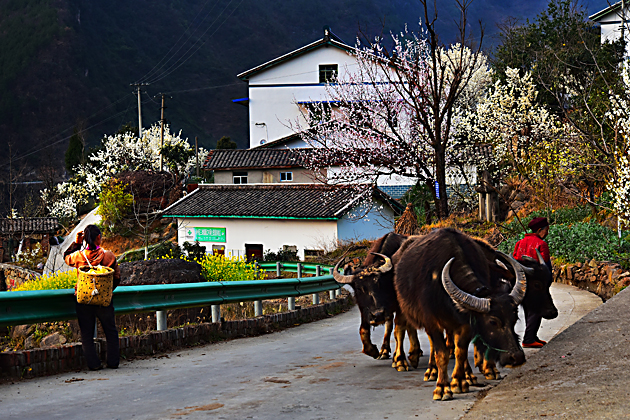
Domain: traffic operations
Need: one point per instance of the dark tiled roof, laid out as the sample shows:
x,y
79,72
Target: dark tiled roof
x,y
29,225
222,159
304,201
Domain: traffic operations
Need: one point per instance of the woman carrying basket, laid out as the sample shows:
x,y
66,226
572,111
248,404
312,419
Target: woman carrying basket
x,y
87,314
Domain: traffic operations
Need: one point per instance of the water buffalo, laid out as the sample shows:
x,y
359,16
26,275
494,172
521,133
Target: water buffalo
x,y
443,282
537,298
376,298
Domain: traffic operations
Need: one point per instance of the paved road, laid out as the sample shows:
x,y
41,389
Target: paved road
x,y
313,371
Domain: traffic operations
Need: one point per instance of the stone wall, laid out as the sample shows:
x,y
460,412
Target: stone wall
x,y
49,361
603,278
12,276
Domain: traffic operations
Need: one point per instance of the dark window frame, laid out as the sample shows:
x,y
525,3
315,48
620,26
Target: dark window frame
x,y
240,176
328,73
288,176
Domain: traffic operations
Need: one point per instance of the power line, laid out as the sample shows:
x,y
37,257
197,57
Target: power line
x,y
171,69
155,68
32,152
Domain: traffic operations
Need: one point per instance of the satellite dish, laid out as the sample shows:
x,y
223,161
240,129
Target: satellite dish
x,y
263,141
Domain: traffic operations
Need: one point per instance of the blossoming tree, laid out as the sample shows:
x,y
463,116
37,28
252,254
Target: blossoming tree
x,y
393,113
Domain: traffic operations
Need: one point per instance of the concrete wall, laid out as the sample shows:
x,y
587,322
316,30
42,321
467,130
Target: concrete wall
x,y
611,28
271,233
366,223
274,93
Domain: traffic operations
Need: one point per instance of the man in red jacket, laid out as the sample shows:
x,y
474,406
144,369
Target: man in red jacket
x,y
527,247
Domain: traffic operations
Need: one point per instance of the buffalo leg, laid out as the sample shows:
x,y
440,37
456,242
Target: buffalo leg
x,y
399,361
415,352
487,367
461,338
450,344
368,348
432,371
385,347
438,346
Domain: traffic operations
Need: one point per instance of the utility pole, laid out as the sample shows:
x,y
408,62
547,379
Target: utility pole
x,y
137,85
162,134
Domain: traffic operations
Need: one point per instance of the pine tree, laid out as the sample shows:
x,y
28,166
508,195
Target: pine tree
x,y
75,152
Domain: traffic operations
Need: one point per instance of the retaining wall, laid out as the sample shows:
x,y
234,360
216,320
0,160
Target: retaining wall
x,y
41,362
13,275
603,278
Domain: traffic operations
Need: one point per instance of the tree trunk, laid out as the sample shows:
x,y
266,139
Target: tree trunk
x,y
441,203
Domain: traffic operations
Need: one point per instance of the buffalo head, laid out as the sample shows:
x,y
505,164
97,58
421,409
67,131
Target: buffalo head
x,y
493,318
373,289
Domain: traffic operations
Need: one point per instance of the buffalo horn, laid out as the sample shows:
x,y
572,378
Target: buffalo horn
x,y
461,298
388,262
540,258
340,278
520,287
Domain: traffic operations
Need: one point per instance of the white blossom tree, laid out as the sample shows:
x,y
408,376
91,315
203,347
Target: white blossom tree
x,y
120,152
394,112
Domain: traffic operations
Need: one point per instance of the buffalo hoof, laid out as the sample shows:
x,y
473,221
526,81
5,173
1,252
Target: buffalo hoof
x,y
431,374
371,351
401,366
471,379
384,354
459,387
492,374
442,394
414,359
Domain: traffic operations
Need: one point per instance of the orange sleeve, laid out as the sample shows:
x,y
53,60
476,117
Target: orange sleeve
x,y
75,259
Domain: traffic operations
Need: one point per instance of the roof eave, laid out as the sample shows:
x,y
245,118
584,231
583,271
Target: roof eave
x,y
247,74
612,8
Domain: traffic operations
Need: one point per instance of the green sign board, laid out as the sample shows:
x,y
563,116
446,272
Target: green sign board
x,y
212,234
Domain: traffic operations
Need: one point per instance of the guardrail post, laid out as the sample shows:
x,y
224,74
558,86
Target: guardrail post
x,y
338,290
315,295
216,313
258,310
331,293
161,320
278,269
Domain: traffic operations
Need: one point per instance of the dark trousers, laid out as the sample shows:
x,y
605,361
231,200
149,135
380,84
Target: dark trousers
x,y
532,324
87,315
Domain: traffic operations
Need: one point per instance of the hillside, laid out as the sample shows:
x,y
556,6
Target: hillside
x,y
71,62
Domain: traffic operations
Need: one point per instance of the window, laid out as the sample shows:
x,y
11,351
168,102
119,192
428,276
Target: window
x,y
328,72
286,176
239,177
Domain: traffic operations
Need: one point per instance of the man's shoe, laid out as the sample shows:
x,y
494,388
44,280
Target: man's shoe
x,y
534,345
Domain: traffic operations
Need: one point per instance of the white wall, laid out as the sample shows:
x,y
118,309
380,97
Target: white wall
x,y
611,28
273,93
271,233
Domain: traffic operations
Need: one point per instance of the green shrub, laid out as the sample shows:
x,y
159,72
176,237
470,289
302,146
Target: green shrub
x,y
114,205
281,255
579,242
54,281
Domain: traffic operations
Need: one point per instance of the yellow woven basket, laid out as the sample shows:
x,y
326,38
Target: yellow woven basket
x,y
95,288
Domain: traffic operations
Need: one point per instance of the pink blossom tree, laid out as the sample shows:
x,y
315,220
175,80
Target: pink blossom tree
x,y
394,112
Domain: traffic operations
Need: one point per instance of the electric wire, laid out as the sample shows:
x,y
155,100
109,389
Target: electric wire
x,y
171,69
155,68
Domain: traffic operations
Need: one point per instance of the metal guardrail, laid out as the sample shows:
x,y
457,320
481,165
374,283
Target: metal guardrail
x,y
33,307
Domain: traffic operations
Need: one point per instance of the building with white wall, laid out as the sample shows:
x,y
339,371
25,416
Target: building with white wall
x,y
247,219
280,89
613,22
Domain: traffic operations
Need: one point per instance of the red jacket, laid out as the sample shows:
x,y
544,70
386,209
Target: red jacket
x,y
528,246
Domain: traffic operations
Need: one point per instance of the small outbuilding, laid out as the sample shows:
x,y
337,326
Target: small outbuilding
x,y
247,220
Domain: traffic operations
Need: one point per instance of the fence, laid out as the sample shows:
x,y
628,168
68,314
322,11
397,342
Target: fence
x,y
17,308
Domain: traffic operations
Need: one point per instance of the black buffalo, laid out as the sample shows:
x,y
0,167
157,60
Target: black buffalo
x,y
376,298
444,282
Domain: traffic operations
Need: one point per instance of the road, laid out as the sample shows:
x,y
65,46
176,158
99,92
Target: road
x,y
314,371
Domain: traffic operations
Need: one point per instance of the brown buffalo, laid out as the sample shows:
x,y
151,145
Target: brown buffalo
x,y
443,282
374,291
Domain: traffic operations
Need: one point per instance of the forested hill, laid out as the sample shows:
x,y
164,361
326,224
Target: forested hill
x,y
70,62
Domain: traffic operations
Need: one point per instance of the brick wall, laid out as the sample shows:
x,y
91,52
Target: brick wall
x,y
42,362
